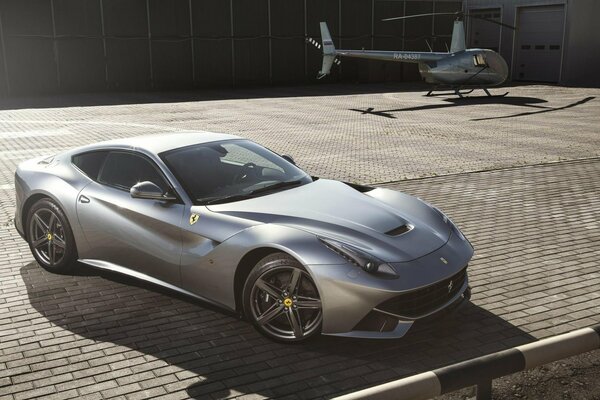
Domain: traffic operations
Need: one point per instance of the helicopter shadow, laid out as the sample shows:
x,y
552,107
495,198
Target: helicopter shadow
x,y
517,101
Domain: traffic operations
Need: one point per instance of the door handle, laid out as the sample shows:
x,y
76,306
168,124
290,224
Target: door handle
x,y
83,199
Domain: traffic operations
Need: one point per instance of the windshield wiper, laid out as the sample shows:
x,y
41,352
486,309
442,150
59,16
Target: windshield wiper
x,y
225,199
244,196
279,185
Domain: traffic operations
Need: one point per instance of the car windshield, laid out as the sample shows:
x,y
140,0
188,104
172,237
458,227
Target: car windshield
x,y
231,170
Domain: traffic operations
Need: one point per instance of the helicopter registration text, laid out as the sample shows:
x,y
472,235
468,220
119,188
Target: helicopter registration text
x,y
406,56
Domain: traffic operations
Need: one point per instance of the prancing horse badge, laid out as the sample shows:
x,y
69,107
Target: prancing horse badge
x,y
194,218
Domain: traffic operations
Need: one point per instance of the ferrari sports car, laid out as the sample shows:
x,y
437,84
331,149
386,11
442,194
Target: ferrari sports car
x,y
227,221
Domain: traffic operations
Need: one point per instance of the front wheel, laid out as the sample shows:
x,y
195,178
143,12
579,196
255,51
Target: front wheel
x,y
50,237
282,300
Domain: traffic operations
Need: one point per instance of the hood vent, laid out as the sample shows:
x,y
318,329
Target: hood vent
x,y
399,230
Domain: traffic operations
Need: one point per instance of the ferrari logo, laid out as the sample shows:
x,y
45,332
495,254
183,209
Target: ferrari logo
x,y
442,259
194,218
450,286
288,302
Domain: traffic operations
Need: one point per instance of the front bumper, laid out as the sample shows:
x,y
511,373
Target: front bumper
x,y
352,299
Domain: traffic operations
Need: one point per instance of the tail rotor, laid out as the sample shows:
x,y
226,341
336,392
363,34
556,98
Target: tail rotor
x,y
329,52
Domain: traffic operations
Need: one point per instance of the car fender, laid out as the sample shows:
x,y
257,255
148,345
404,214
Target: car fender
x,y
212,274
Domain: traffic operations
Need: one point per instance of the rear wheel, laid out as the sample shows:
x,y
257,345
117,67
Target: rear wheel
x,y
50,237
282,300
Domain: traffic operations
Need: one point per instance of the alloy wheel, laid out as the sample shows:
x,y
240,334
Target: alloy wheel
x,y
286,304
47,237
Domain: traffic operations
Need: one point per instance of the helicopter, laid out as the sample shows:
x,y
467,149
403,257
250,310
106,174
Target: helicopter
x,y
460,69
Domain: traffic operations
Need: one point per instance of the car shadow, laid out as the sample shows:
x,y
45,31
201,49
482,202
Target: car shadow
x,y
214,353
518,101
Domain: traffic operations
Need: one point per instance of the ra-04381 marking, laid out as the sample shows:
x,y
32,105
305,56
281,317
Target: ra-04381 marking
x,y
256,235
407,56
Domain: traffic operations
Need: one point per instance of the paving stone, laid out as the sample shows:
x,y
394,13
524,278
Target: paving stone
x,y
535,229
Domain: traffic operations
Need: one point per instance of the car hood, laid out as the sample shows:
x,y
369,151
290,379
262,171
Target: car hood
x,y
335,210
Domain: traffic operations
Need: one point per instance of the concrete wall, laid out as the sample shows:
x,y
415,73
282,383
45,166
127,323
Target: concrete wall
x,y
51,46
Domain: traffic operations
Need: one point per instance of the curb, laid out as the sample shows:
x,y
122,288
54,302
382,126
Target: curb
x,y
482,370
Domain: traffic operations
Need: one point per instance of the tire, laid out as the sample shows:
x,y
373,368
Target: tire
x,y
50,237
282,300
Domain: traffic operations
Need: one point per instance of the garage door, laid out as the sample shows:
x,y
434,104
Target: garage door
x,y
539,43
484,34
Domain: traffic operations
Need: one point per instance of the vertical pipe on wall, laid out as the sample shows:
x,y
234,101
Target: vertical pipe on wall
x,y
501,33
340,29
54,44
149,43
563,44
4,57
102,30
270,43
404,26
513,60
192,43
372,24
340,22
305,42
433,37
232,43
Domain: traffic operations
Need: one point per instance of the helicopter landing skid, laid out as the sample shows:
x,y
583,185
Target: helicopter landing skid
x,y
462,94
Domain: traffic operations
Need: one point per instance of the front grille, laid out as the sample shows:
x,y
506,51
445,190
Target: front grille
x,y
422,301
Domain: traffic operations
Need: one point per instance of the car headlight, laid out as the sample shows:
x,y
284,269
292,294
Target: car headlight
x,y
358,257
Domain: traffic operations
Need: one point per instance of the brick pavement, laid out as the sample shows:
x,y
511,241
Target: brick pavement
x,y
535,228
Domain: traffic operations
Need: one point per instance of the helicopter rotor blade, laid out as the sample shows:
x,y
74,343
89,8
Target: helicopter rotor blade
x,y
418,15
458,14
490,20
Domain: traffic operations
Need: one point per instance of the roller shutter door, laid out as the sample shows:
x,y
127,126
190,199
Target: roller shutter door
x,y
539,43
484,34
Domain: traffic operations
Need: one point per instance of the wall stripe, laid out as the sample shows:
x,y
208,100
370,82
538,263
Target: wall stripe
x,y
559,347
470,372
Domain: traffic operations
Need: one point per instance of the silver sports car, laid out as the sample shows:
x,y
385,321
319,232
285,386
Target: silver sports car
x,y
227,221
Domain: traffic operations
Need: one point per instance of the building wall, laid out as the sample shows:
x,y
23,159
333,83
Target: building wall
x,y
581,65
54,46
581,59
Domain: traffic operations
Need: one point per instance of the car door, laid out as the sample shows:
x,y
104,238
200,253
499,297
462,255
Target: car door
x,y
142,235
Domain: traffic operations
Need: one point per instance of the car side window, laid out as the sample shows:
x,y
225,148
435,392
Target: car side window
x,y
90,163
123,170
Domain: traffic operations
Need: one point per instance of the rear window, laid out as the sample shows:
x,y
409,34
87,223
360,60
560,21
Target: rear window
x,y
90,163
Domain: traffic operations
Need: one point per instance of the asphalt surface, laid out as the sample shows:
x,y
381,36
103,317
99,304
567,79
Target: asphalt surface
x,y
518,174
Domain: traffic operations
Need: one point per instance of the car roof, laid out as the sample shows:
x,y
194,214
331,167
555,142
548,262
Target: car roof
x,y
161,142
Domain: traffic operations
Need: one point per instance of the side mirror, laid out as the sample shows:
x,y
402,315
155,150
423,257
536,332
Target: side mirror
x,y
149,190
288,158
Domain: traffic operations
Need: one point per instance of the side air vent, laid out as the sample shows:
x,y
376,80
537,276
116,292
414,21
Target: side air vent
x,y
360,188
399,230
